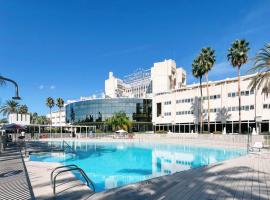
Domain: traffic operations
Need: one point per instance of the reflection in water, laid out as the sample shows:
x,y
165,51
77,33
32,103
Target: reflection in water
x,y
111,165
165,162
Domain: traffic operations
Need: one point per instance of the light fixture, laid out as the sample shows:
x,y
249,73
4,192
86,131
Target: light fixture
x,y
16,97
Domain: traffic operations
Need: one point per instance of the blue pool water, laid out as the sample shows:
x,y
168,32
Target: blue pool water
x,y
111,165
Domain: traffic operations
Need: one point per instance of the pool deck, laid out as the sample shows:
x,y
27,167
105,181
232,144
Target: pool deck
x,y
67,187
246,177
14,180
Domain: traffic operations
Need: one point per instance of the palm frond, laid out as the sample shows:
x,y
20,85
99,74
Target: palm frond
x,y
262,66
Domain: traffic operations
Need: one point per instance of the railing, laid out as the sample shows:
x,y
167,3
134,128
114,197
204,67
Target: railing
x,y
228,141
67,146
70,168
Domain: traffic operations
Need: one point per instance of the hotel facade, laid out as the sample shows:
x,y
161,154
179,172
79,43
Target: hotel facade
x,y
178,110
174,104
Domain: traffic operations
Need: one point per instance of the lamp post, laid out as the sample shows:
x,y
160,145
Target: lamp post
x,y
16,97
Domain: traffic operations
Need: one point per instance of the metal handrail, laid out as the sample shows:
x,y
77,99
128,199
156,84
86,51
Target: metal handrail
x,y
65,166
88,180
68,146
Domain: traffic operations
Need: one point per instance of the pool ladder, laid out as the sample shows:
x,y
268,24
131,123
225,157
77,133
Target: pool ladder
x,y
66,146
69,168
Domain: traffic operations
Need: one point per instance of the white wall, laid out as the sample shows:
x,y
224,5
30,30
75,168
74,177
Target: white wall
x,y
22,119
165,76
221,88
111,86
56,119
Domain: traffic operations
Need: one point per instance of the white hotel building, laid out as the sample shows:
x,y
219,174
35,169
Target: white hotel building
x,y
57,118
175,105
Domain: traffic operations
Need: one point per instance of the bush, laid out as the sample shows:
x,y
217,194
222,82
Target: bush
x,y
161,132
205,132
99,131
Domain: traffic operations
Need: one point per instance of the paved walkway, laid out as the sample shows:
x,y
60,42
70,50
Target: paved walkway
x,y
14,182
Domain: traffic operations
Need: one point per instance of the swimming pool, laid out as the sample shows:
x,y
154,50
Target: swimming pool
x,y
111,165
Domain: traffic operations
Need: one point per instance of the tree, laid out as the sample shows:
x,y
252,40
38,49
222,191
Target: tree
x,y
3,121
262,66
23,109
43,120
60,105
119,121
36,119
50,104
206,61
9,107
198,72
238,56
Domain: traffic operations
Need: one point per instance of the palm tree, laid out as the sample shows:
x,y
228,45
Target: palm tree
x,y
262,66
23,109
60,105
237,55
50,104
119,121
3,121
198,72
33,118
9,107
206,60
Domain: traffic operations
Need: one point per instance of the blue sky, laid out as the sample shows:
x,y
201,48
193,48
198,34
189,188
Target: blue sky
x,y
66,48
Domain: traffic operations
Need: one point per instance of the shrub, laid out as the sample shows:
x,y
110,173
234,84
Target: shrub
x,y
161,132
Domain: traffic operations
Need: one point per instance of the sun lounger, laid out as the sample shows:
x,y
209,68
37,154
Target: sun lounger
x,y
257,146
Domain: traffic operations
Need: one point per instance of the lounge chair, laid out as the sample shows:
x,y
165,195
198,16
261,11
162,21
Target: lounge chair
x,y
257,145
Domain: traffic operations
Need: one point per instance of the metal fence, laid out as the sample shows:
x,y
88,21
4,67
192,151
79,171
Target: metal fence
x,y
209,140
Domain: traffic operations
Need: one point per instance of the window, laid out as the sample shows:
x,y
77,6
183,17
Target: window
x,y
265,106
167,103
159,109
251,107
167,113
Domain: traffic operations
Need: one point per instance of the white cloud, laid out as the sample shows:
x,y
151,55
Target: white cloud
x,y
52,87
41,87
